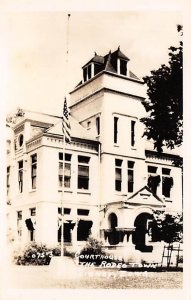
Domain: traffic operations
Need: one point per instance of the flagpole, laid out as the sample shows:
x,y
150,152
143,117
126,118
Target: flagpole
x,y
62,200
66,138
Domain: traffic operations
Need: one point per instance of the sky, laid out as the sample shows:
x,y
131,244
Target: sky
x,y
36,73
33,57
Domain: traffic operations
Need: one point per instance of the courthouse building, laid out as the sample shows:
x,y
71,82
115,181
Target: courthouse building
x,y
113,179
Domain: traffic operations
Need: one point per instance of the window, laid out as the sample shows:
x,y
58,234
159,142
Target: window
x,y
60,174
83,212
20,140
67,170
88,124
98,125
89,71
19,215
152,169
130,176
166,171
8,180
33,212
133,133
20,175
153,179
85,74
113,222
33,170
116,130
118,174
84,230
123,67
66,210
33,223
97,68
68,226
113,236
83,172
19,223
167,182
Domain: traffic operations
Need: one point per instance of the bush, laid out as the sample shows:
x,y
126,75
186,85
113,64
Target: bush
x,y
34,254
92,248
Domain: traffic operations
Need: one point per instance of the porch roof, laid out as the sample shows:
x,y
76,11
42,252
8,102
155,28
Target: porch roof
x,y
145,196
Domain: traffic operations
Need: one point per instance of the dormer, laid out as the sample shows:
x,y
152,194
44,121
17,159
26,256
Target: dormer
x,y
114,62
93,67
120,62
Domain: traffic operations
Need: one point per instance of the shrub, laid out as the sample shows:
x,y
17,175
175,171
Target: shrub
x,y
38,254
34,254
92,248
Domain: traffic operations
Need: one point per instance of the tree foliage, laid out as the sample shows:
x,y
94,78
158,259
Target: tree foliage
x,y
165,101
167,227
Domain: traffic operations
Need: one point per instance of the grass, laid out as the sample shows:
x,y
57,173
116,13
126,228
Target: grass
x,y
25,277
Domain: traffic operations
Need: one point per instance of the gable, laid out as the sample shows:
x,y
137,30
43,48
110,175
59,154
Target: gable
x,y
145,197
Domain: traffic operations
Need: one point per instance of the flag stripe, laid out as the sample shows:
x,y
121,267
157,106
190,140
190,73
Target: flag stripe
x,y
66,124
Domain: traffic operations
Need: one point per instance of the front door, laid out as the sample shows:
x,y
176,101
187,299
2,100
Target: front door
x,y
139,235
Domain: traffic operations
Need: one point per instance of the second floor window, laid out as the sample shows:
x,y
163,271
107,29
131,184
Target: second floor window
x,y
118,175
83,172
20,175
133,133
33,171
115,130
67,170
130,176
167,182
153,179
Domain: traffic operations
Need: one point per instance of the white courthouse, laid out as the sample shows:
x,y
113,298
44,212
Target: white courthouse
x,y
113,179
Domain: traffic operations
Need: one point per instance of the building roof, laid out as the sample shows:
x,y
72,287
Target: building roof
x,y
53,124
33,116
97,59
109,62
77,130
145,188
119,54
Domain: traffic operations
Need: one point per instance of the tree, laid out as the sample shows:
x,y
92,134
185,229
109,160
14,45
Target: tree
x,y
167,227
165,101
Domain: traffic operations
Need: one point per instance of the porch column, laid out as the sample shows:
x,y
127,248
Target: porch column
x,y
130,241
105,239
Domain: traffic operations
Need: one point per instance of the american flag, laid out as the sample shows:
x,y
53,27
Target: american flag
x,y
65,123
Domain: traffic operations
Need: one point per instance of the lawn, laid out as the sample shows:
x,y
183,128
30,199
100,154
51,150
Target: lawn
x,y
26,277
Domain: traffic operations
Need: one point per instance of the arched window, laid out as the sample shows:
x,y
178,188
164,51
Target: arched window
x,y
113,222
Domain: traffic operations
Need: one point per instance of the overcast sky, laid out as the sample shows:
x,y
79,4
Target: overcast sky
x,y
35,50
